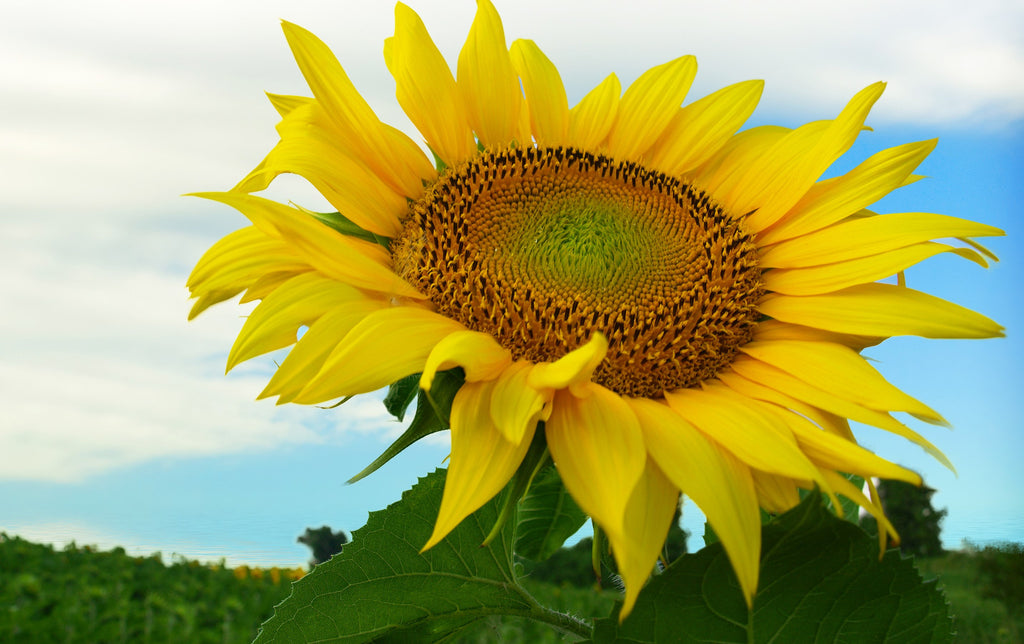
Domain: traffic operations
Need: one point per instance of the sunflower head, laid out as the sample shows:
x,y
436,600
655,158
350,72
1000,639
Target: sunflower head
x,y
541,248
669,304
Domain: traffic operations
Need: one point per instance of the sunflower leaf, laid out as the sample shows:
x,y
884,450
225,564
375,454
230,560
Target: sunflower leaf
x,y
381,588
346,226
548,516
429,418
400,394
821,581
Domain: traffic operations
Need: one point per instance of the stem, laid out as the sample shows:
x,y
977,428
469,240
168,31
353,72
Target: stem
x,y
565,623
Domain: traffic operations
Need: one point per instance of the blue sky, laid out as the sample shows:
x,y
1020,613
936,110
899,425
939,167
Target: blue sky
x,y
119,426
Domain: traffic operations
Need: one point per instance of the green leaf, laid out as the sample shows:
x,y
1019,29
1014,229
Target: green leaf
x,y
400,394
821,581
381,588
432,415
346,226
548,516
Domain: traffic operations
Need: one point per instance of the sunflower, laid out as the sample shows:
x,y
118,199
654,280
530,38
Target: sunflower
x,y
671,304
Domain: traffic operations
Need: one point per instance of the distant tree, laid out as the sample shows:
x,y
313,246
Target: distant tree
x,y
910,510
324,543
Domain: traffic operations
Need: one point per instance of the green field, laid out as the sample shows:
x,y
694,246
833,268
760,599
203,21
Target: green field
x,y
983,589
79,594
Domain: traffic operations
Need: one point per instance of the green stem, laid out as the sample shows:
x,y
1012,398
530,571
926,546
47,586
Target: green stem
x,y
565,623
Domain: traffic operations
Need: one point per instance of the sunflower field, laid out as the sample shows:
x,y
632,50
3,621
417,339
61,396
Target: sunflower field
x,y
81,594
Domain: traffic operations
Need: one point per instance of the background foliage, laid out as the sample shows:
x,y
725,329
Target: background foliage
x,y
45,598
82,595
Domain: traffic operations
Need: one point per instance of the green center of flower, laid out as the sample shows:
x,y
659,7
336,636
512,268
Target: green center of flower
x,y
543,247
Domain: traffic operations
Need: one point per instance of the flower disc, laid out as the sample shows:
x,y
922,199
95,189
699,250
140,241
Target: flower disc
x,y
543,247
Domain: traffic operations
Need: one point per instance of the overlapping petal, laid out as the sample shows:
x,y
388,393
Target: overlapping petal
x,y
598,446
592,118
648,106
391,154
698,130
488,82
544,93
385,346
475,441
426,89
717,482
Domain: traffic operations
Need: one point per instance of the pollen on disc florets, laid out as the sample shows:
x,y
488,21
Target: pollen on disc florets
x,y
542,247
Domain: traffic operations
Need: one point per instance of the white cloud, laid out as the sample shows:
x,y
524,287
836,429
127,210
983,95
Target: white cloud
x,y
102,370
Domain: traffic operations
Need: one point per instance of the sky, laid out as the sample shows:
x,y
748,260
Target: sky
x,y
117,423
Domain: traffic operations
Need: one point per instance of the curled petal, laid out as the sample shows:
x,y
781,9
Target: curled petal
x,y
573,369
477,353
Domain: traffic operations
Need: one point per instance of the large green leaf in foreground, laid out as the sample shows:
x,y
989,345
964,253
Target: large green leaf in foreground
x,y
821,581
381,588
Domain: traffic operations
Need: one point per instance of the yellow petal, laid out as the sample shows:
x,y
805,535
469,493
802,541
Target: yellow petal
x,y
426,89
882,310
599,450
482,461
346,182
285,104
391,154
826,420
235,263
516,406
867,236
298,302
776,182
775,330
306,357
835,199
757,438
488,83
850,491
776,494
649,516
477,353
648,106
270,282
720,174
701,128
840,371
716,481
833,277
385,346
573,369
770,378
832,452
545,94
592,118
346,259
